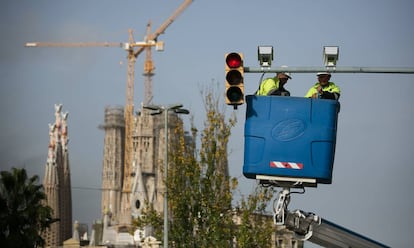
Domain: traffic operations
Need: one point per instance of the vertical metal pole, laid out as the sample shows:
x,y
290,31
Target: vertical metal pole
x,y
159,109
165,178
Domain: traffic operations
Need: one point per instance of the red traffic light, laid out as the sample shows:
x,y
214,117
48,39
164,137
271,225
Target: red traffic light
x,y
233,60
234,79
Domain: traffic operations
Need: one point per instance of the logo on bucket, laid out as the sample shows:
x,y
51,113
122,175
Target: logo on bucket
x,y
289,129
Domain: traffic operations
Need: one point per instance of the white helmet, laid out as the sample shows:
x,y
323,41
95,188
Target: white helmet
x,y
323,73
286,73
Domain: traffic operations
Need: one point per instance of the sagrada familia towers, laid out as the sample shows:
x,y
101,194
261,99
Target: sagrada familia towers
x,y
148,156
56,182
147,185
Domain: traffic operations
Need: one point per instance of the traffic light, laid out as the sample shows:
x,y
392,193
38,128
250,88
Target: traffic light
x,y
234,79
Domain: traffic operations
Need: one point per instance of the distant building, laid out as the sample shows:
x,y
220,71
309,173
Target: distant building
x,y
57,183
284,238
147,165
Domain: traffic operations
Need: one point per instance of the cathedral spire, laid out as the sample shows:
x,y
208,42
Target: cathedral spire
x,y
57,181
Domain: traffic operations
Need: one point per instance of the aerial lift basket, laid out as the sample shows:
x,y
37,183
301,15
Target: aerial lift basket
x,y
290,139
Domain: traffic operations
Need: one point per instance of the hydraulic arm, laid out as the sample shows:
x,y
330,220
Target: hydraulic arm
x,y
309,226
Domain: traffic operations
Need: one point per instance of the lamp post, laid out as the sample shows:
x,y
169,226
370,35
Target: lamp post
x,y
156,110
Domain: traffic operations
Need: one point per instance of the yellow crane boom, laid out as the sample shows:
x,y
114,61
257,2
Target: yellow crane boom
x,y
166,24
149,65
74,44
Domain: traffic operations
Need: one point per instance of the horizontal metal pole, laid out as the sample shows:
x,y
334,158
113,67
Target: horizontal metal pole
x,y
352,69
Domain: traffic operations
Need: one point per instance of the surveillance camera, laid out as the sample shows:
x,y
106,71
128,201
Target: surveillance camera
x,y
265,55
330,55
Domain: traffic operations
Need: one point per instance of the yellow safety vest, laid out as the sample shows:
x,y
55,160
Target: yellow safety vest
x,y
268,85
331,87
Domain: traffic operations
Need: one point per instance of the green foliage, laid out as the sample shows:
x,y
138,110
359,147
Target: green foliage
x,y
214,224
22,213
255,228
200,190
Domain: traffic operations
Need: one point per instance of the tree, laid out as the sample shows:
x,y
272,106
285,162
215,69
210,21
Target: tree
x,y
200,198
22,214
200,190
255,228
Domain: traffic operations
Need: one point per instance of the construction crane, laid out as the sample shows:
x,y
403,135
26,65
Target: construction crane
x,y
130,47
134,49
148,73
149,65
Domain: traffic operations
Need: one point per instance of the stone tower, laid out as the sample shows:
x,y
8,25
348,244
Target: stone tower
x,y
112,171
56,182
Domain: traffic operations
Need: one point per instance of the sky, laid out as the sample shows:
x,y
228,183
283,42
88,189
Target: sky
x,y
371,191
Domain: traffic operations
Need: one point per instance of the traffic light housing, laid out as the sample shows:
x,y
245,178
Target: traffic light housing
x,y
234,79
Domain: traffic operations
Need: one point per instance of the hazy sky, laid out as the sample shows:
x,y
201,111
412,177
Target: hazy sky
x,y
371,192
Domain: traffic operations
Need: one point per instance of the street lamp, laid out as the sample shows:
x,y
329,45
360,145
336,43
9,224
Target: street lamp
x,y
156,110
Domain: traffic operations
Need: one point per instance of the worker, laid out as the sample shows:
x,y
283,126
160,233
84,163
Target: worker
x,y
274,86
324,89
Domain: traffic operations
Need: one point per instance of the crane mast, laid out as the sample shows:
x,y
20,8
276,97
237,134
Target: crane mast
x,y
148,70
129,118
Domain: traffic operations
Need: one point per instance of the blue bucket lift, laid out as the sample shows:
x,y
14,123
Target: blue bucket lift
x,y
290,140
